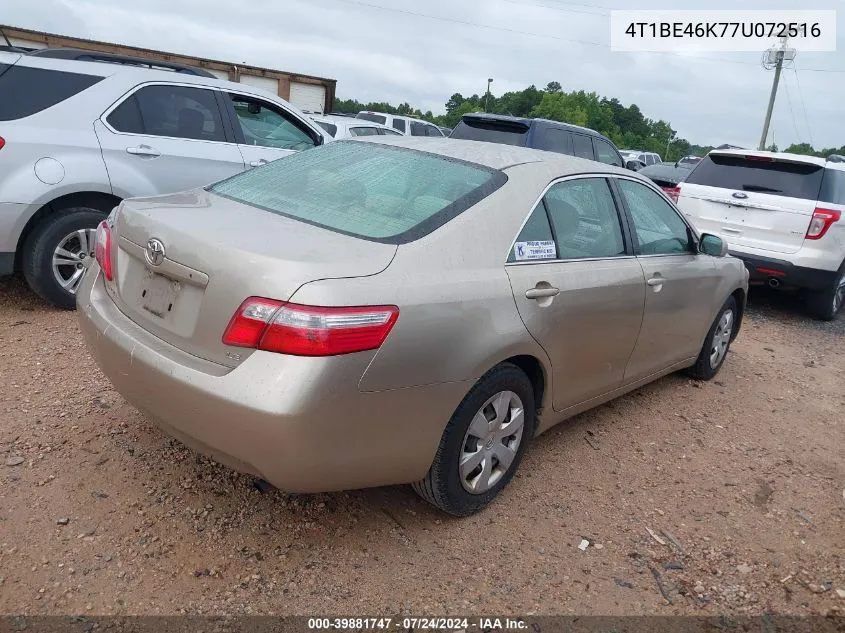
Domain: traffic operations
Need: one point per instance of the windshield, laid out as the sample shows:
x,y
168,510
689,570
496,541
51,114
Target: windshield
x,y
762,175
367,190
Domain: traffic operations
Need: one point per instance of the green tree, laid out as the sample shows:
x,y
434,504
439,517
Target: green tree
x,y
559,106
553,86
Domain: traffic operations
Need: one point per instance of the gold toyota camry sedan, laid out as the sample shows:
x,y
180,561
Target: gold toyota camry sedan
x,y
401,310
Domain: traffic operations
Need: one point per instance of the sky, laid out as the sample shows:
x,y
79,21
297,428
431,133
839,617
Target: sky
x,y
423,52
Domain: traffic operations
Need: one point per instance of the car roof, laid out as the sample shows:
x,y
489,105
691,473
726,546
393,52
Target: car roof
x,y
395,116
494,155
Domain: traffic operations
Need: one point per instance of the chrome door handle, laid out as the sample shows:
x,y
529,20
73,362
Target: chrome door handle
x,y
655,281
541,293
258,163
143,150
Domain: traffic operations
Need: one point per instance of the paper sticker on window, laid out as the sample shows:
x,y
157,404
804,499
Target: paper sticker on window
x,y
543,249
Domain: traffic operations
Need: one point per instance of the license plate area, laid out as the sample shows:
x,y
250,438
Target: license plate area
x,y
159,294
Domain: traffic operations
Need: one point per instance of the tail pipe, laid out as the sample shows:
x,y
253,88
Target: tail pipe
x,y
774,282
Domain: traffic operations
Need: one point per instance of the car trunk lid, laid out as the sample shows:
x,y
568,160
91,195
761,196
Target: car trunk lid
x,y
184,263
755,200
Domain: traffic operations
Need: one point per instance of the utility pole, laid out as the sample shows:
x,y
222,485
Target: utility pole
x,y
669,142
774,57
487,96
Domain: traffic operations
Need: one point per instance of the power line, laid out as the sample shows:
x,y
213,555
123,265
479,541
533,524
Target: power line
x,y
548,36
791,113
803,106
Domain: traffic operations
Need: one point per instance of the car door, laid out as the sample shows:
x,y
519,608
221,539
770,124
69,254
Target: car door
x,y
605,153
162,138
265,131
582,146
578,289
681,282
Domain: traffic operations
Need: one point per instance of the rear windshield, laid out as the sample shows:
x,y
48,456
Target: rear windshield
x,y
375,118
491,131
331,128
780,178
376,192
30,90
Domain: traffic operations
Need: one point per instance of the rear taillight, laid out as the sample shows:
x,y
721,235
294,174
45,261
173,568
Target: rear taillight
x,y
672,192
2,142
298,330
821,222
102,249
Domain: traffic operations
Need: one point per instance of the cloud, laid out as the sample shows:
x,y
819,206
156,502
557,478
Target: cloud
x,y
391,54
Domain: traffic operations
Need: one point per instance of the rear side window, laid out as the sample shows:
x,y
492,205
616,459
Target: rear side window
x,y
492,131
399,124
331,128
27,91
582,146
174,111
419,129
388,132
363,131
375,118
779,178
554,140
376,192
833,187
584,219
535,241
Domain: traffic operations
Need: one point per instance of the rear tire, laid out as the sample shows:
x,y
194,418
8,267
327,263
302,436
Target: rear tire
x,y
56,253
716,344
826,304
468,469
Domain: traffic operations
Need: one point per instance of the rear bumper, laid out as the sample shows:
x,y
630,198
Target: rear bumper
x,y
300,423
763,269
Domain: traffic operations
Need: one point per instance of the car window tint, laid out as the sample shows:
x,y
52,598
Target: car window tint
x,y
584,219
605,153
369,190
267,126
833,186
388,132
363,131
658,227
419,129
535,240
492,131
582,146
554,140
331,128
375,118
27,91
174,111
399,124
764,175
432,130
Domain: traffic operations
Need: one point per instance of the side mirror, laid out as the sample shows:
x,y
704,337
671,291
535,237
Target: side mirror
x,y
633,165
713,245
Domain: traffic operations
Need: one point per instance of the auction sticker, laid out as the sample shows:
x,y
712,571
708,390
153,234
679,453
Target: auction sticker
x,y
543,249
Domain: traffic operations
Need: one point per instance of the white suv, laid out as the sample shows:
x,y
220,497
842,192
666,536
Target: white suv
x,y
403,124
781,214
77,137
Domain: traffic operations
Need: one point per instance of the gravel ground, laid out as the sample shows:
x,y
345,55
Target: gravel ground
x,y
740,480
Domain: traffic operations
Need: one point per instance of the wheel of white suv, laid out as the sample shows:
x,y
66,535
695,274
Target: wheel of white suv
x,y
57,252
826,304
483,443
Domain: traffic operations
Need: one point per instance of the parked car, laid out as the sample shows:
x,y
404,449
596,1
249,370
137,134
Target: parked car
x,y
347,127
446,130
781,214
80,136
552,136
667,177
408,126
229,313
646,158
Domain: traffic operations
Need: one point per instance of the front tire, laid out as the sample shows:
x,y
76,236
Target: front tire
x,y
716,344
483,443
56,254
826,304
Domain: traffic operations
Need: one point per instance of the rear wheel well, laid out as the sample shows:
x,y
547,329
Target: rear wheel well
x,y
739,297
104,202
534,370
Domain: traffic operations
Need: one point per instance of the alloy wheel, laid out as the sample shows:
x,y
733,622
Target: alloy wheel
x,y
721,338
71,257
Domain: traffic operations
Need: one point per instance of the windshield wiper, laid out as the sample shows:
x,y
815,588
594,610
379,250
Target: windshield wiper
x,y
761,189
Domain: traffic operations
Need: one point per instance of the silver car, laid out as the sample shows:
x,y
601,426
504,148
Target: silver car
x,y
401,310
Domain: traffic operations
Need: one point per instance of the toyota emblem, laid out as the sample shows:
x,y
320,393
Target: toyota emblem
x,y
154,252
